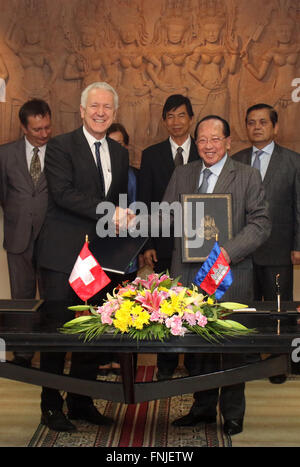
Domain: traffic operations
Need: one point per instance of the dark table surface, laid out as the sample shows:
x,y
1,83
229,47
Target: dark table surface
x,y
39,331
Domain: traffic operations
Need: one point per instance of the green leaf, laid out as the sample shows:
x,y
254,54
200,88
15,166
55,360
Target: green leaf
x,y
78,320
233,306
79,307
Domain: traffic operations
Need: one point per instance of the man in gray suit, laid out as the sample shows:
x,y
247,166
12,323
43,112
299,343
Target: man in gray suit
x,y
23,197
251,227
280,171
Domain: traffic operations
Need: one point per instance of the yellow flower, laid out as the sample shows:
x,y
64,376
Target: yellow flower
x,y
210,301
121,325
123,319
141,318
176,304
163,289
128,293
167,308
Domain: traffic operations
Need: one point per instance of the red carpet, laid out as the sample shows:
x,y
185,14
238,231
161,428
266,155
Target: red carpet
x,y
141,425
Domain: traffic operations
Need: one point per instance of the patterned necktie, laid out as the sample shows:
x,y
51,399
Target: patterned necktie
x,y
178,157
99,165
256,163
204,185
35,166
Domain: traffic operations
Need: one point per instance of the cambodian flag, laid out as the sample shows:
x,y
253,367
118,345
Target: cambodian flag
x,y
215,275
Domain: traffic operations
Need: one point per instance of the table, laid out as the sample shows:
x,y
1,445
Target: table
x,y
39,331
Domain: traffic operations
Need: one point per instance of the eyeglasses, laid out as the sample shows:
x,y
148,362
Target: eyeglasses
x,y
215,140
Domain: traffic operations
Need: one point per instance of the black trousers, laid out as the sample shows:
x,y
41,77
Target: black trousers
x,y
231,398
84,365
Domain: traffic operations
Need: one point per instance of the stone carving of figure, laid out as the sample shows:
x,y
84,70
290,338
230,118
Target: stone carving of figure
x,y
86,62
173,34
26,37
283,57
214,59
130,36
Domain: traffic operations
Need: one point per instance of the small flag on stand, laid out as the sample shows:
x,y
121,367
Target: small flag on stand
x,y
87,277
215,275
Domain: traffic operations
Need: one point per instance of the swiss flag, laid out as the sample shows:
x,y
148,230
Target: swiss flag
x,y
87,277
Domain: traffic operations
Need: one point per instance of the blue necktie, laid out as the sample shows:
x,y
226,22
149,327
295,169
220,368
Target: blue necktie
x,y
256,163
204,185
99,165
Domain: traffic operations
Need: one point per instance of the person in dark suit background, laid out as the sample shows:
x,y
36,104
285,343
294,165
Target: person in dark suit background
x,y
280,171
24,198
118,133
157,165
251,227
80,175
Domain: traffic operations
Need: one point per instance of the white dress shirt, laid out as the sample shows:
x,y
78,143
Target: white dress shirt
x,y
104,156
215,169
264,158
29,153
185,146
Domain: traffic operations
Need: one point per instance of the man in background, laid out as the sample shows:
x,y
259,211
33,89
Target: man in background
x,y
280,171
157,165
24,198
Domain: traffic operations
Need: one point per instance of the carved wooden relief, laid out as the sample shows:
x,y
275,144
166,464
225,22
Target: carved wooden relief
x,y
224,54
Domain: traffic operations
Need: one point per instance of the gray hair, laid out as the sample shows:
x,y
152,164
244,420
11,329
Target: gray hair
x,y
99,85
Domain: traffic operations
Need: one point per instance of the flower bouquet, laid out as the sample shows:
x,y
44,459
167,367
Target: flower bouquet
x,y
156,308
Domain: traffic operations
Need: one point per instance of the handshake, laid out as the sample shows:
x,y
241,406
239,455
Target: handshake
x,y
123,218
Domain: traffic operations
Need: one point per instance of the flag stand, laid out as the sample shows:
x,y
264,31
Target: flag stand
x,y
278,302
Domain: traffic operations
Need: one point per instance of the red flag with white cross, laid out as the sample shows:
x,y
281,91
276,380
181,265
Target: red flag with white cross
x,y
87,277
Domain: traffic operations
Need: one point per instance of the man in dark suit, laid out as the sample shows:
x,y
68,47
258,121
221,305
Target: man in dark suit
x,y
157,165
24,197
83,168
280,171
216,172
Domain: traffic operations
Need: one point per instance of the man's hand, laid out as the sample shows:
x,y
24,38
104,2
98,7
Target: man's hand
x,y
122,217
150,258
226,255
295,257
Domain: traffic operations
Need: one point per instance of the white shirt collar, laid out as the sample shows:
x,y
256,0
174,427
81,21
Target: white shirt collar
x,y
91,139
185,146
29,147
216,169
267,149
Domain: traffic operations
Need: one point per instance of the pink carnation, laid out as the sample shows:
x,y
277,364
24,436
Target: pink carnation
x,y
175,324
201,319
107,310
190,318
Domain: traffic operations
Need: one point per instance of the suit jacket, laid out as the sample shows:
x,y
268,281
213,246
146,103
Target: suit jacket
x,y
282,187
74,193
24,205
251,224
157,166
